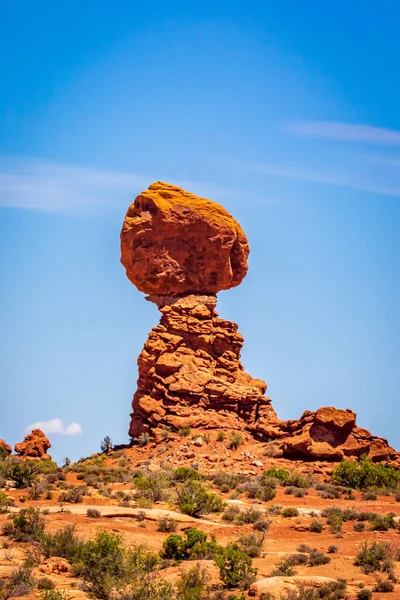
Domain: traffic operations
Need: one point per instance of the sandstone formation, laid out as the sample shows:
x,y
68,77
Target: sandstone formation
x,y
174,243
182,250
4,448
327,434
35,445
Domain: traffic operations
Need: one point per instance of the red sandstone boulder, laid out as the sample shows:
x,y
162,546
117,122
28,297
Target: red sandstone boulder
x,y
4,448
35,445
173,242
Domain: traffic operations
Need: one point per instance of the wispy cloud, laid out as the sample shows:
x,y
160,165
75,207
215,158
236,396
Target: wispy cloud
x,y
54,187
341,179
345,132
56,426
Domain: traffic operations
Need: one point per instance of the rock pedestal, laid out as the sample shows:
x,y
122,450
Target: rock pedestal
x,y
181,250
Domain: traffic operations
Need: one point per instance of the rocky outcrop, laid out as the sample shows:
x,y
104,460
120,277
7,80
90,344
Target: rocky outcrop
x,y
4,448
190,372
327,434
35,445
175,243
182,250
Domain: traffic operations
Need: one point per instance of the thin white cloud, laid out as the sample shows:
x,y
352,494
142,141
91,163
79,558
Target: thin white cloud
x,y
345,132
56,426
53,187
342,179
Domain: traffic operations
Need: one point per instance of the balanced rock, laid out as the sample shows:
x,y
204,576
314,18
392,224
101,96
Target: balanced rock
x,y
4,448
174,243
181,250
35,445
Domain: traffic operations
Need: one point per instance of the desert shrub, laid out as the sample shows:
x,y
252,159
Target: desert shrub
x,y
290,512
231,513
332,549
52,594
284,568
23,474
369,495
316,526
167,525
316,558
64,543
249,515
359,526
364,594
185,431
235,441
263,488
335,522
377,557
220,436
226,481
298,480
261,525
5,502
73,495
274,509
152,486
364,474
192,584
20,583
383,586
334,590
193,545
184,473
194,500
277,473
105,565
27,525
381,523
93,513
251,544
304,548
106,445
45,583
235,567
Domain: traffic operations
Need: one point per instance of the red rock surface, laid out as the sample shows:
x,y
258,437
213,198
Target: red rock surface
x,y
35,445
173,242
4,447
181,250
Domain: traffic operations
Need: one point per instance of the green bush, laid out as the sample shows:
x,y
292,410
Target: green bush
x,y
364,474
364,594
166,525
235,567
383,586
251,544
20,583
5,503
184,431
73,495
316,526
377,557
277,473
235,441
191,547
290,512
45,583
93,513
194,500
192,585
23,474
28,525
64,543
184,473
153,486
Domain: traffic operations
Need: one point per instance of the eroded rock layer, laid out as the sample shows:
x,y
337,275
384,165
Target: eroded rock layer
x,y
35,445
190,372
4,448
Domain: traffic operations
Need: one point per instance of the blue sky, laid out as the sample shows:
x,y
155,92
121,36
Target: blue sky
x,y
287,113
